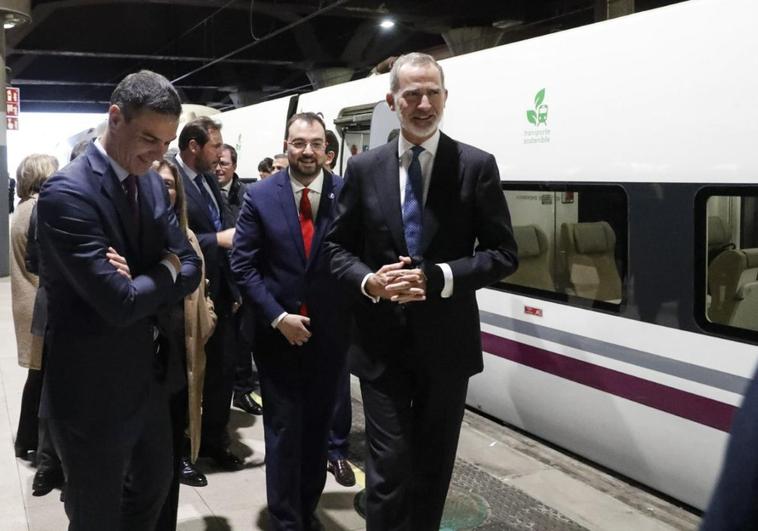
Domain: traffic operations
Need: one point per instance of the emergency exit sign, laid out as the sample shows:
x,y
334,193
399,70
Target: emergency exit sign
x,y
12,102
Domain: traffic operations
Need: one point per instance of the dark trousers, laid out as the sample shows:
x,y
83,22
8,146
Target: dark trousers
x,y
33,432
27,436
342,419
245,372
734,503
117,474
298,386
178,412
220,352
413,421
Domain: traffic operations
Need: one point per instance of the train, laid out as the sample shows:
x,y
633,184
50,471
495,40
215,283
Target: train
x,y
628,155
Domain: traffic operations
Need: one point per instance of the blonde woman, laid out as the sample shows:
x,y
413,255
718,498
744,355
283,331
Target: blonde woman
x,y
32,439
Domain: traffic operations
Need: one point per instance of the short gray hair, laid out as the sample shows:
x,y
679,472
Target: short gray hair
x,y
414,59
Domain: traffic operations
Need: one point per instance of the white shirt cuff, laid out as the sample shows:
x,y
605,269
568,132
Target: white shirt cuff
x,y
174,273
278,320
363,289
447,288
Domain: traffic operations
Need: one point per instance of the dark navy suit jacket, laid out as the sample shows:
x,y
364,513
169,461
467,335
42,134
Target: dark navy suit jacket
x,y
272,271
100,358
216,258
466,224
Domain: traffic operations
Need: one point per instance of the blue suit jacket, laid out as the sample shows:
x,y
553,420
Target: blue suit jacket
x,y
100,354
272,271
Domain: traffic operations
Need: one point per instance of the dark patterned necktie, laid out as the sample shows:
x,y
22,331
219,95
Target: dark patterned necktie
x,y
215,217
130,187
413,207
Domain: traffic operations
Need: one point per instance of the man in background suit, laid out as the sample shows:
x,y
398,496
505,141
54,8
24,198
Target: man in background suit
x,y
233,192
199,148
300,336
112,255
422,223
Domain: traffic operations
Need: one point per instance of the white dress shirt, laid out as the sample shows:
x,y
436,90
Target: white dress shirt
x,y
192,174
426,160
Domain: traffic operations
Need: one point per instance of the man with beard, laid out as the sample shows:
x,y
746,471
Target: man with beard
x,y
300,338
422,223
199,148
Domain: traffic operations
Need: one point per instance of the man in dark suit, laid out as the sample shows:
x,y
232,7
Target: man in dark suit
x,y
112,255
734,503
233,192
199,148
300,339
422,223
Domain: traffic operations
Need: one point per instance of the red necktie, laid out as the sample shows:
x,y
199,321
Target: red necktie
x,y
306,221
306,229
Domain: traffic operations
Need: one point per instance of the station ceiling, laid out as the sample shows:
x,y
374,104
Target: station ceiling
x,y
229,53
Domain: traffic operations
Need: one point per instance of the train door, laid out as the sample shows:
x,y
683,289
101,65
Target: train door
x,y
364,127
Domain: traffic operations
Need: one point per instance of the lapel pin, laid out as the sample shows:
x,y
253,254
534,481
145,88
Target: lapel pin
x,y
331,196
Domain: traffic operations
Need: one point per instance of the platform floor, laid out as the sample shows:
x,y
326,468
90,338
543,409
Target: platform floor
x,y
503,480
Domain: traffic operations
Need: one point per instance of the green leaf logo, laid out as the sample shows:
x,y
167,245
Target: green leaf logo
x,y
538,115
539,98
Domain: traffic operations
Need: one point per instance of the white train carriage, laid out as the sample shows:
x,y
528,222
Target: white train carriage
x,y
627,151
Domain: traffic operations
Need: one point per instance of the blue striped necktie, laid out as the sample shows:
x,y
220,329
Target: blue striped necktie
x,y
210,205
413,207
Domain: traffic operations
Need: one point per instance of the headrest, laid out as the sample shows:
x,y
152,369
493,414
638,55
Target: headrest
x,y
717,234
748,290
751,258
528,241
593,238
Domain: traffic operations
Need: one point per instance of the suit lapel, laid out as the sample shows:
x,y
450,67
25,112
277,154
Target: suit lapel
x,y
322,218
289,210
112,188
442,186
193,194
387,190
147,205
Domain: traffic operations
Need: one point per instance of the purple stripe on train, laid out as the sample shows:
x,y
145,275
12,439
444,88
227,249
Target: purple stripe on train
x,y
675,401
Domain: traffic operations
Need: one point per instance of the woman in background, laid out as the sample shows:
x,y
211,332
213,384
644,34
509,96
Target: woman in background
x,y
187,328
32,440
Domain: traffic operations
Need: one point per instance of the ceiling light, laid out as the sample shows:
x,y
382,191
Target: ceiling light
x,y
387,23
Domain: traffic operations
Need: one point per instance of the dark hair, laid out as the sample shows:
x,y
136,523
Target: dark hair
x,y
232,152
197,130
332,144
180,206
307,117
146,90
266,165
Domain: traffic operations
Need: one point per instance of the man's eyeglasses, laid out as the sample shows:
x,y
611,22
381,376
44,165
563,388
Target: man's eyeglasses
x,y
316,145
222,163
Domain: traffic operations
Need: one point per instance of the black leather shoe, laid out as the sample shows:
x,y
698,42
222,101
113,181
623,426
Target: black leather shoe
x,y
224,458
189,475
342,471
46,480
246,403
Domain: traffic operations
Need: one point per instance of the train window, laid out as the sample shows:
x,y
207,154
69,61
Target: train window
x,y
728,251
572,242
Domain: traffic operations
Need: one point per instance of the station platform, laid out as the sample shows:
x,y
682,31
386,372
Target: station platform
x,y
503,480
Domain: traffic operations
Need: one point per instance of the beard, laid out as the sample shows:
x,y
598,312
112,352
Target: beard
x,y
305,168
420,131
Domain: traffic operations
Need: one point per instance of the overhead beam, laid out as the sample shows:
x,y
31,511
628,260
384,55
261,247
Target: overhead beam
x,y
144,57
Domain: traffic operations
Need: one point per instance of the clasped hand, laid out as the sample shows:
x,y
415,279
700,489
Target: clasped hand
x,y
397,284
